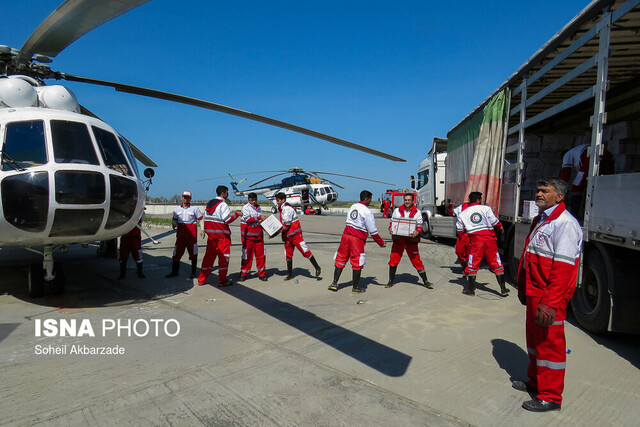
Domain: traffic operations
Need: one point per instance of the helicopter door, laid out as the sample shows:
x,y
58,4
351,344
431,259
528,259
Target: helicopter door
x,y
305,197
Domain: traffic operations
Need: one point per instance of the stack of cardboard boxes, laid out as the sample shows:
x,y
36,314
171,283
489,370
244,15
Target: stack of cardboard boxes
x,y
543,154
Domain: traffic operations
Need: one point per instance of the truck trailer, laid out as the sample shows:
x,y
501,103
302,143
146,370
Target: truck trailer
x,y
582,88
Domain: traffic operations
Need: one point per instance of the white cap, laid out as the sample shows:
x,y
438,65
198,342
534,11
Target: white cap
x,y
186,193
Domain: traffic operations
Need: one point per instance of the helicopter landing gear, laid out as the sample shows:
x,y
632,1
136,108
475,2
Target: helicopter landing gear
x,y
48,276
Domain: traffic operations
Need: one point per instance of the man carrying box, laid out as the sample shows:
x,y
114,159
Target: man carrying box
x,y
406,238
252,239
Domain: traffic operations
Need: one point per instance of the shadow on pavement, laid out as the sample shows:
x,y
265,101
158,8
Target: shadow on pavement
x,y
383,359
511,358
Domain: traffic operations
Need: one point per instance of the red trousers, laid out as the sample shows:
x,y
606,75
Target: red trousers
x,y
220,248
130,245
483,246
296,241
351,248
251,248
462,249
190,243
547,350
400,244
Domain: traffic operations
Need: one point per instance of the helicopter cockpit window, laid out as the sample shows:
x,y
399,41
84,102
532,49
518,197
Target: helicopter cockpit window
x,y
111,152
24,145
72,143
316,192
132,159
322,192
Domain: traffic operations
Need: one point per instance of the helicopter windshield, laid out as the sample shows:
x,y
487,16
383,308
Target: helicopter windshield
x,y
72,143
132,160
111,153
24,145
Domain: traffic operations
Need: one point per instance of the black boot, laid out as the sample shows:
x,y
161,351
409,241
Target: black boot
x,y
356,283
425,282
175,266
471,288
194,267
289,270
123,270
503,288
315,265
139,268
336,276
392,275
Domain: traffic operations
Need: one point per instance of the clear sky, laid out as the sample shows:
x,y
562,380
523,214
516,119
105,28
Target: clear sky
x,y
388,75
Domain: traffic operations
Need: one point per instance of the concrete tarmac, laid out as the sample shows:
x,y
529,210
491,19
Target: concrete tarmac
x,y
287,353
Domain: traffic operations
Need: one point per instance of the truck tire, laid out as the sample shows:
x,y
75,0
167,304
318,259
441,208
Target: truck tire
x,y
426,228
591,302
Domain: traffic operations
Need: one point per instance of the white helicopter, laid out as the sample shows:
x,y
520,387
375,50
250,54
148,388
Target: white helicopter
x,y
66,176
303,189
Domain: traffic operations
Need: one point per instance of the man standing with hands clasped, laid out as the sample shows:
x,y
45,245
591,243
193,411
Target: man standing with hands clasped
x,y
546,280
409,243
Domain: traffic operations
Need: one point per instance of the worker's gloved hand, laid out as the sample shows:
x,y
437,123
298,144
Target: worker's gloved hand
x,y
522,297
545,315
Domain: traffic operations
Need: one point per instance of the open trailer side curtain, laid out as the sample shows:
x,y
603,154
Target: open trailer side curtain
x,y
475,153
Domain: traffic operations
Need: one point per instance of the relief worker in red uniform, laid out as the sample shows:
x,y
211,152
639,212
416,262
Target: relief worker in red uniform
x,y
217,218
479,222
462,239
252,239
408,210
185,221
546,281
360,224
131,243
292,235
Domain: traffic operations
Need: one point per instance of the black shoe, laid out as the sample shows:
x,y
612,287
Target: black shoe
x,y
333,287
227,283
427,285
318,271
469,292
243,278
262,278
288,277
538,405
389,285
358,290
522,386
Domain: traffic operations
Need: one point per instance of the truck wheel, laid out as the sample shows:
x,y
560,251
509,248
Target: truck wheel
x,y
591,302
426,228
36,281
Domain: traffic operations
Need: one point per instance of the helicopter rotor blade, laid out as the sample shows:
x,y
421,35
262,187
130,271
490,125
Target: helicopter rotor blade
x,y
263,180
137,153
70,21
137,90
351,176
241,173
333,183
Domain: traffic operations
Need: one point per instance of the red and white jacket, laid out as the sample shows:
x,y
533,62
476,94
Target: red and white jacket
x,y
186,218
217,218
549,263
250,223
401,212
458,209
361,223
289,219
478,220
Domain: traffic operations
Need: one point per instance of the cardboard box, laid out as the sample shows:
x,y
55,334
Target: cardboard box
x,y
529,209
271,225
403,226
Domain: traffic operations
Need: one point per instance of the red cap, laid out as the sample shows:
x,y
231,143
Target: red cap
x,y
186,193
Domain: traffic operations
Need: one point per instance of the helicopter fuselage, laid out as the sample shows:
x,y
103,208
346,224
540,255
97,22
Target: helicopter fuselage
x,y
64,178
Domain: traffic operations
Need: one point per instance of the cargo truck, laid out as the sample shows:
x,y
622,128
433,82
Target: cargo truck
x,y
582,87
